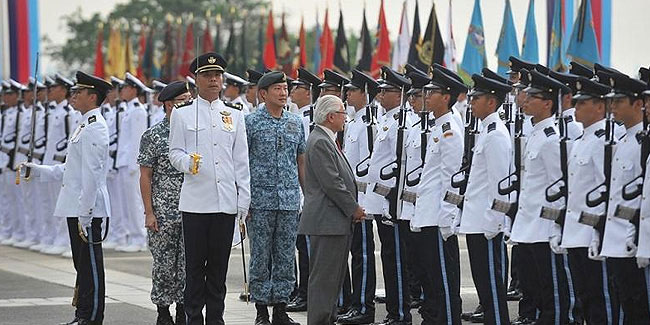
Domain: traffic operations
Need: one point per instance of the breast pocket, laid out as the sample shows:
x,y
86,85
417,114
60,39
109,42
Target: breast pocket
x,y
627,169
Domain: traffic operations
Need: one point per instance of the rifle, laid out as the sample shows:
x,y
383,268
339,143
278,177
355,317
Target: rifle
x,y
113,153
471,129
398,172
512,182
424,135
559,215
370,132
32,139
630,191
312,125
598,221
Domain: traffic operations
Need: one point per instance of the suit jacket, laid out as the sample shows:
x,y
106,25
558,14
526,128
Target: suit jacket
x,y
330,190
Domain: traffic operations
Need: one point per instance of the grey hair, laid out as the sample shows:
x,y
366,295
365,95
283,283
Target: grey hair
x,y
325,105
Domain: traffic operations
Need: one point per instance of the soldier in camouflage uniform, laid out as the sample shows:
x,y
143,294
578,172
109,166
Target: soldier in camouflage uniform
x,y
160,184
276,142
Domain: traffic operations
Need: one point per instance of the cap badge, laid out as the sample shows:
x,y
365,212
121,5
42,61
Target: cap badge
x,y
612,82
578,85
212,60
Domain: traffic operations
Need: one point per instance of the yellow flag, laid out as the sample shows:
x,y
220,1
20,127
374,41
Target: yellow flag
x,y
129,66
115,63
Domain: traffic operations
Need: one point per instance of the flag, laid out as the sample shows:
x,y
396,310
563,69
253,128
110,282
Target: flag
x,y
188,53
416,38
217,35
260,45
401,49
242,48
381,55
178,52
583,46
283,49
342,54
507,45
326,46
474,59
148,62
301,59
316,53
168,55
231,51
432,49
99,54
364,49
270,61
129,66
556,55
601,13
529,47
207,39
115,62
450,61
142,44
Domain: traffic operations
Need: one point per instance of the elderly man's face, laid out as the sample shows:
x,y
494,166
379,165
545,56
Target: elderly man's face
x,y
337,119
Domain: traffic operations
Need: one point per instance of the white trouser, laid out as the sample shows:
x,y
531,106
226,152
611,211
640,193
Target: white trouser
x,y
117,230
14,207
4,203
31,201
49,221
132,199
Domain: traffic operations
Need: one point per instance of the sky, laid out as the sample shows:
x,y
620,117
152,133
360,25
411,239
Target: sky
x,y
629,21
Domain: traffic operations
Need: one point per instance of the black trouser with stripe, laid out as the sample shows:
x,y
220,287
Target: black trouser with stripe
x,y
542,275
364,277
302,276
393,260
88,261
437,268
632,288
592,286
488,265
208,239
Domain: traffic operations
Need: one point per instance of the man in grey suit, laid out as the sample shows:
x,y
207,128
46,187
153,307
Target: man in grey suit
x,y
329,211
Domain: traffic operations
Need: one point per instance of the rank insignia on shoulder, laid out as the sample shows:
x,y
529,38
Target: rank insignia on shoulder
x,y
599,133
569,119
396,116
305,113
92,119
225,113
549,131
237,106
435,139
183,104
446,127
492,126
136,104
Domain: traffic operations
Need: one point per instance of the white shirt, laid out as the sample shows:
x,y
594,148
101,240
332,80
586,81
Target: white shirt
x,y
133,123
412,148
8,134
156,114
356,149
490,164
83,191
303,112
644,220
585,173
23,134
241,99
57,134
541,168
223,176
444,157
626,166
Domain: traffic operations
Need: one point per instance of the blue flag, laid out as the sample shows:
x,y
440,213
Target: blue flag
x,y
316,56
474,59
529,46
507,45
556,55
583,46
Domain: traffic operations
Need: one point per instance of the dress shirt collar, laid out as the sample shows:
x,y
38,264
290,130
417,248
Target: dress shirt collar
x,y
549,121
303,109
595,127
94,111
329,133
569,112
447,117
359,114
205,102
489,119
634,130
134,100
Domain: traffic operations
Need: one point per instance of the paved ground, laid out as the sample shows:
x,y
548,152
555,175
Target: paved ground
x,y
37,289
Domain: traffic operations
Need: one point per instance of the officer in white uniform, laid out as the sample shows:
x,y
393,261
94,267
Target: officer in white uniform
x,y
83,198
360,93
586,173
574,128
390,230
234,91
251,100
619,239
219,171
434,220
157,110
132,124
643,252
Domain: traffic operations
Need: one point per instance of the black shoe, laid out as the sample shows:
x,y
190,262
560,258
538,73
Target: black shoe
x,y
380,299
280,316
180,314
389,321
298,304
416,303
477,318
523,321
467,316
245,297
342,310
72,322
355,316
514,295
262,317
164,318
339,316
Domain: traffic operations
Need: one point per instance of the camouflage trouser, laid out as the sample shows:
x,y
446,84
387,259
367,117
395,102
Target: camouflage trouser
x,y
168,271
272,236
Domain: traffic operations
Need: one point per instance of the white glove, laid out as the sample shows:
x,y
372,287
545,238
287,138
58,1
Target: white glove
x,y
510,242
593,247
85,223
555,239
507,228
642,262
446,232
630,246
385,210
36,168
242,213
490,234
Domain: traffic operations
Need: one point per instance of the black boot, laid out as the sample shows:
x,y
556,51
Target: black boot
x,y
180,314
280,316
262,317
164,318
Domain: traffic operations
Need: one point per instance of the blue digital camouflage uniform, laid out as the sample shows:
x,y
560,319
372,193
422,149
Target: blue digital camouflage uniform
x,y
166,245
273,147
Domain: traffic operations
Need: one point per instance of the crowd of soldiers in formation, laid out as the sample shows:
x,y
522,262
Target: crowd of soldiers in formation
x,y
552,164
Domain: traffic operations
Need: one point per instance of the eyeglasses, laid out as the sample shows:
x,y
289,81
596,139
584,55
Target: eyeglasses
x,y
390,91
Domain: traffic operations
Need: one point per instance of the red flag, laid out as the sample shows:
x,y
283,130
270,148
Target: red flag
x,y
381,56
188,54
326,46
270,61
99,55
142,46
207,40
302,45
